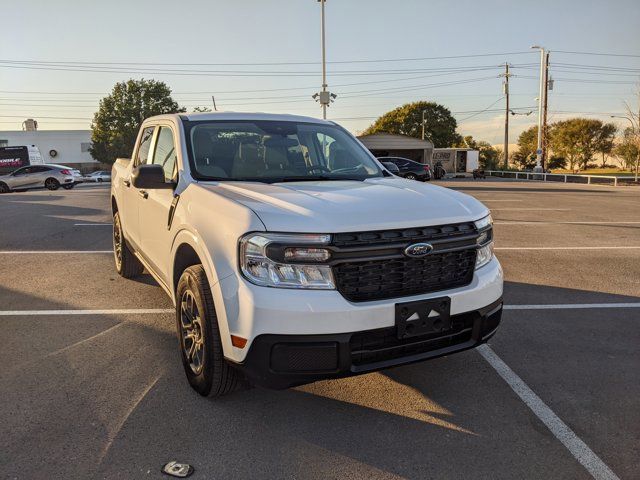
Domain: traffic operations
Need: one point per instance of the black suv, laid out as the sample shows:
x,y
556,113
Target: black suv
x,y
409,169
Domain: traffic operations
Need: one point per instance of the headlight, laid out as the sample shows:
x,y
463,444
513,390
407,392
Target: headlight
x,y
286,260
484,255
484,222
485,252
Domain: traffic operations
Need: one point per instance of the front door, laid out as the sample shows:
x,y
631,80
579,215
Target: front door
x,y
23,177
131,205
154,207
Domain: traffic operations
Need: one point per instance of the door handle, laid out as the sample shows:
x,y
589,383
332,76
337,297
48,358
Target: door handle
x,y
127,183
143,194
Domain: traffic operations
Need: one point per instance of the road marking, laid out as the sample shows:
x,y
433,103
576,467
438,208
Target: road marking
x,y
70,252
93,224
581,452
569,248
534,209
498,200
569,306
117,311
516,222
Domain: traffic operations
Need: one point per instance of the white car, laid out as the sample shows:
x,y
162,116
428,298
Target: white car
x,y
98,177
291,255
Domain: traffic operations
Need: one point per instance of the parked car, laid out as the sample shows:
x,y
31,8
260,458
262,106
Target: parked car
x,y
48,176
290,254
392,167
99,177
409,169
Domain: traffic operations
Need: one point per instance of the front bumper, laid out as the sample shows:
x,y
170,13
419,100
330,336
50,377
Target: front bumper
x,y
282,361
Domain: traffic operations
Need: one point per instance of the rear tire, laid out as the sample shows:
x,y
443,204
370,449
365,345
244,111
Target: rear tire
x,y
410,176
127,265
207,371
4,188
52,184
99,180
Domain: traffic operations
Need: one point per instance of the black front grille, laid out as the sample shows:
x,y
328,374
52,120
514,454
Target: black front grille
x,y
372,265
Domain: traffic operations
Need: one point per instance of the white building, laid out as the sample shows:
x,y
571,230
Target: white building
x,y
66,147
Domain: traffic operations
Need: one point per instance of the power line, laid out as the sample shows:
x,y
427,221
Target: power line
x,y
480,111
383,60
597,54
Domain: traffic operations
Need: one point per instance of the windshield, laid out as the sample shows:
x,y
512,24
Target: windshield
x,y
272,151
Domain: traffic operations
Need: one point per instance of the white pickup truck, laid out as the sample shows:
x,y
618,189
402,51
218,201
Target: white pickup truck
x,y
292,255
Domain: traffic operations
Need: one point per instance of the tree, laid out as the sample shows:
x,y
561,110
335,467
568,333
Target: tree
x,y
488,155
627,149
605,141
576,140
201,109
525,156
440,126
116,123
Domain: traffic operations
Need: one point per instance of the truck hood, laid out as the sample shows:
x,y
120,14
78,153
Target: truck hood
x,y
343,206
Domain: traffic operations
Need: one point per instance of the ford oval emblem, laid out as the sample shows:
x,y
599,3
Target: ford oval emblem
x,y
418,250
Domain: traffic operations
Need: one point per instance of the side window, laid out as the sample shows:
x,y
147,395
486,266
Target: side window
x,y
145,144
165,153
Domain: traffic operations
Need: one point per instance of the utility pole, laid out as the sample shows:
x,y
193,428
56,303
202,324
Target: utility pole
x,y
538,167
506,75
214,103
545,141
423,120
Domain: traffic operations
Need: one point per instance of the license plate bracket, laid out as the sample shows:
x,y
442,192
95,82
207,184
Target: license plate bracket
x,y
423,317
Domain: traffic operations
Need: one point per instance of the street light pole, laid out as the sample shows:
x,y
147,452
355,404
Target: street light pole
x,y
633,127
541,94
324,62
323,96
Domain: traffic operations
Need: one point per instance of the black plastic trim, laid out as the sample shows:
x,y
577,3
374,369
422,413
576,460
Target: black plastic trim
x,y
258,362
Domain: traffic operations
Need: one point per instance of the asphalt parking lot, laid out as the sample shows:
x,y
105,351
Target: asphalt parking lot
x,y
92,386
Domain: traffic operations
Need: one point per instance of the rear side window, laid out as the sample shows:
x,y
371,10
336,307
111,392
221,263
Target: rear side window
x,y
165,153
145,144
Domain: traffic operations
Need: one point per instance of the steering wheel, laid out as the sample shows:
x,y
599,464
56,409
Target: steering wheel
x,y
322,168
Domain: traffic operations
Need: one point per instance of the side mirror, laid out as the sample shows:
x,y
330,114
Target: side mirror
x,y
150,177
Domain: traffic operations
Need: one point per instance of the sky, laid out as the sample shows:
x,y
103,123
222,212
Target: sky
x,y
59,57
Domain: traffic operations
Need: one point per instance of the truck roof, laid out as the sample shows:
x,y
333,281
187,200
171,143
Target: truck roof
x,y
212,116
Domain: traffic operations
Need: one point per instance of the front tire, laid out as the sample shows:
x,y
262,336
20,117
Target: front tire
x,y
207,371
52,184
4,188
127,265
68,187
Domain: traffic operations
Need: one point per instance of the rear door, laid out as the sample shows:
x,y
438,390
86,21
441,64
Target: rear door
x,y
155,204
39,174
129,210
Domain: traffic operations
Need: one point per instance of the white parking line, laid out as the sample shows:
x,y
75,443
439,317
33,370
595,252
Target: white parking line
x,y
570,248
115,311
581,452
47,252
93,224
570,306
